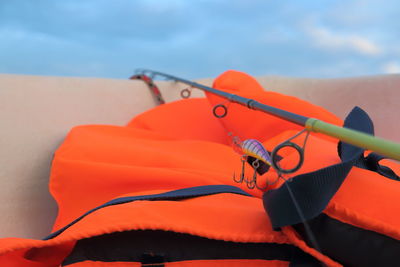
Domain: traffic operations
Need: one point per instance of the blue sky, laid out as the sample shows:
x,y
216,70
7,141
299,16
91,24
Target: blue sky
x,y
199,38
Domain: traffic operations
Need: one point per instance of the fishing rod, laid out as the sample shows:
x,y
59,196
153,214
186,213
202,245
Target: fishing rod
x,y
379,145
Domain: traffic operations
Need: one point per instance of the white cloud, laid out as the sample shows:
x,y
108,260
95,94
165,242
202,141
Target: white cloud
x,y
333,40
391,67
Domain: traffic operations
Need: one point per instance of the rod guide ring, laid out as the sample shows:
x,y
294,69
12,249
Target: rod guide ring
x,y
275,157
222,108
185,93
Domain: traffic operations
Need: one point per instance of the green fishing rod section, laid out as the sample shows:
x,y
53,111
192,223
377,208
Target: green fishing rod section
x,y
379,145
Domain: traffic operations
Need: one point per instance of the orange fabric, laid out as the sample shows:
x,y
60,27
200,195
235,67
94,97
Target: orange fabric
x,y
180,145
181,122
368,200
114,161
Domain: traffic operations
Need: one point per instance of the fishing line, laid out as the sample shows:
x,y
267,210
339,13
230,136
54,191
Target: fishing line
x,y
307,227
280,171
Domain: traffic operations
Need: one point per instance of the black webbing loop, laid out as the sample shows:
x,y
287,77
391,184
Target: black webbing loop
x,y
372,164
314,190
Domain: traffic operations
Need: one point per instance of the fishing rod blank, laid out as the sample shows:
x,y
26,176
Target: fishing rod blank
x,y
379,145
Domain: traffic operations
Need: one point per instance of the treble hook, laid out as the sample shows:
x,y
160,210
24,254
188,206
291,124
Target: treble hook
x,y
252,151
242,178
251,183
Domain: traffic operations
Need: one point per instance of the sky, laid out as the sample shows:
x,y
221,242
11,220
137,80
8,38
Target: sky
x,y
200,38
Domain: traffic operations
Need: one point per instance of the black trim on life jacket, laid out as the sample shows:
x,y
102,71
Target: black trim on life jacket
x,y
371,163
350,245
159,247
179,194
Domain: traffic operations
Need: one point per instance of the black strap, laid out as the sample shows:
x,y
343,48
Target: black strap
x,y
314,190
179,194
371,162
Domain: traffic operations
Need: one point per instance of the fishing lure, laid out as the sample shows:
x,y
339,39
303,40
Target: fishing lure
x,y
254,153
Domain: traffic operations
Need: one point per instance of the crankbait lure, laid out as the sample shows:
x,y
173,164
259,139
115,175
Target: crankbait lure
x,y
255,149
254,153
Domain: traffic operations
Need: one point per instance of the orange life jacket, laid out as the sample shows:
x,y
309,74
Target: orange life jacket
x,y
159,192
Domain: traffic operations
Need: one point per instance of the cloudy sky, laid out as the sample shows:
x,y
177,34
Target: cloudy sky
x,y
199,38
